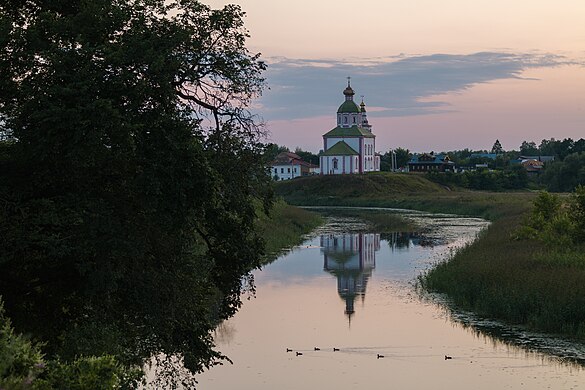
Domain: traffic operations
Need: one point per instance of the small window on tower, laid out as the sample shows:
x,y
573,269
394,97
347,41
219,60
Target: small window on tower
x,y
354,119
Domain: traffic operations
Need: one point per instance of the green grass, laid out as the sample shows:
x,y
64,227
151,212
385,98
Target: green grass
x,y
521,282
409,191
285,227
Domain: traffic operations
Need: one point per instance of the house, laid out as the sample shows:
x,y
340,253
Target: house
x,y
430,162
475,156
289,165
534,165
350,147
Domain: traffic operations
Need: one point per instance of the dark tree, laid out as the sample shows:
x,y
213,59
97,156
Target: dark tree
x,y
402,158
129,169
528,148
497,148
273,150
307,156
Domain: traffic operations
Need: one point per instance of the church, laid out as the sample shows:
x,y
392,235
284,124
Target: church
x,y
351,146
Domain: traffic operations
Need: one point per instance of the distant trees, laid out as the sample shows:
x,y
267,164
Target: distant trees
x,y
528,148
272,150
514,178
307,156
403,156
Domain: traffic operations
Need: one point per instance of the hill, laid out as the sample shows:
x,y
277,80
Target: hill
x,y
372,185
399,190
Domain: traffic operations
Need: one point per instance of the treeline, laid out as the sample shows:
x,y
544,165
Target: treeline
x,y
503,173
514,178
563,174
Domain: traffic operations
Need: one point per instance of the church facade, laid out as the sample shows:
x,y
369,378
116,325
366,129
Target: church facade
x,y
351,146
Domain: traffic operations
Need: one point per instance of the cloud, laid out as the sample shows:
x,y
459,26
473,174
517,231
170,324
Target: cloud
x,y
397,86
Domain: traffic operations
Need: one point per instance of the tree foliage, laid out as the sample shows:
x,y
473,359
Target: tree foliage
x,y
558,222
127,173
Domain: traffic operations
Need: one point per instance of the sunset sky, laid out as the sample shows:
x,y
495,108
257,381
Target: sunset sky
x,y
436,75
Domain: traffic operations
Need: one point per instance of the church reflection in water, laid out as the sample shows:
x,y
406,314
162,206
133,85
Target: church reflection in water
x,y
351,258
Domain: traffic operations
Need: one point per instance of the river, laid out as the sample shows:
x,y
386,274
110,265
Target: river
x,y
346,297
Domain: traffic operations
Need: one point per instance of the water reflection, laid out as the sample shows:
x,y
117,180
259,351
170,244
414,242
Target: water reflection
x,y
406,240
413,334
351,258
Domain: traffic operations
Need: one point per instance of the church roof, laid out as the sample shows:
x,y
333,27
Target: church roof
x,y
348,106
340,149
353,131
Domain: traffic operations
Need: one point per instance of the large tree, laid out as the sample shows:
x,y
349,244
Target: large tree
x,y
129,169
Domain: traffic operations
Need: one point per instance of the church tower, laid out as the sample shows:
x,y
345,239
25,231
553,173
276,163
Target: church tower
x,y
348,114
350,147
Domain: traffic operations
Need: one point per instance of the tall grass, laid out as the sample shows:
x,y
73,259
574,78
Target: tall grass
x,y
285,227
521,282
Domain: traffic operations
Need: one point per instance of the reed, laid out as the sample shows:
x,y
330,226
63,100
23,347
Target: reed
x,y
284,227
520,282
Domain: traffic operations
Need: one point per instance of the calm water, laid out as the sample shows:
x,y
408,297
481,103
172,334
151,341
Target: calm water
x,y
352,289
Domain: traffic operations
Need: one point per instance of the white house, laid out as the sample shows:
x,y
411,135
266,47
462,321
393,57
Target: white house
x,y
351,146
289,165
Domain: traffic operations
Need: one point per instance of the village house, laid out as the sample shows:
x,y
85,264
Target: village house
x,y
431,162
351,146
534,165
289,165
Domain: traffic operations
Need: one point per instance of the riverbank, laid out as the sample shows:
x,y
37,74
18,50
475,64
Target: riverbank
x,y
520,282
285,227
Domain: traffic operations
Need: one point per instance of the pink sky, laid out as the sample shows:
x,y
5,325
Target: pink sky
x,y
513,94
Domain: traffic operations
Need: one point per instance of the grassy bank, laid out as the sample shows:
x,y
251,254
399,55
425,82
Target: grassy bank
x,y
398,190
285,227
521,282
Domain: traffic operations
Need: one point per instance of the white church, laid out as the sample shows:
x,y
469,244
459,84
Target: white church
x,y
350,146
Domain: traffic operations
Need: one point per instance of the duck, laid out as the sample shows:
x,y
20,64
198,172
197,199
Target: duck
x,y
299,353
335,349
380,356
289,350
317,349
448,357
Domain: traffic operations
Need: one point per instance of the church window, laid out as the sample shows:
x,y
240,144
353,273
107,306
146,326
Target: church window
x,y
288,170
281,170
334,163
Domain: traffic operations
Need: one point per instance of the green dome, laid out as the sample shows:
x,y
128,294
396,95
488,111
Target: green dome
x,y
348,106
